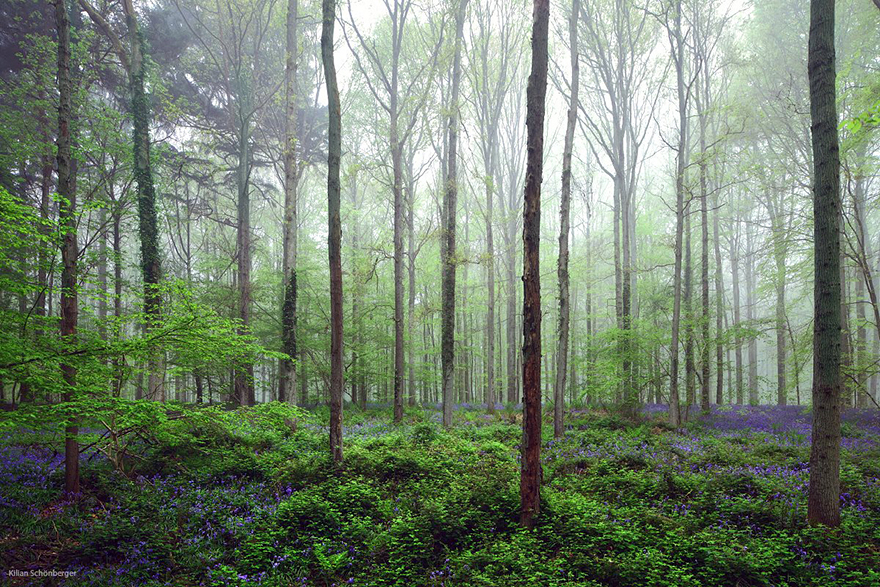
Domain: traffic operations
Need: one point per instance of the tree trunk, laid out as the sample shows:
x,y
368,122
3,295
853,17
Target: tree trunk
x,y
69,247
334,152
244,373
737,336
411,270
823,504
564,214
690,368
681,164
750,318
448,234
286,369
530,472
146,197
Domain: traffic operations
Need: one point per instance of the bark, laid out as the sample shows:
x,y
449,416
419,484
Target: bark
x,y
823,503
286,368
334,152
69,247
704,271
411,274
719,310
750,317
530,472
564,219
148,229
779,254
863,254
690,368
677,48
448,252
737,340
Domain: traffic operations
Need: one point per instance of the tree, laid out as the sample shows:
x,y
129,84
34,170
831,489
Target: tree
x,y
69,248
823,502
564,218
536,91
450,195
676,45
287,371
402,98
134,64
334,238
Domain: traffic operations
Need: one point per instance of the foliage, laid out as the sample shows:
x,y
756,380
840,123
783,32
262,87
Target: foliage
x,y
235,497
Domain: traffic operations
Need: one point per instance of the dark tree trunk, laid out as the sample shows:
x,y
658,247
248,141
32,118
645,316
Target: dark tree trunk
x,y
823,504
530,473
334,152
69,247
148,226
286,370
564,214
447,351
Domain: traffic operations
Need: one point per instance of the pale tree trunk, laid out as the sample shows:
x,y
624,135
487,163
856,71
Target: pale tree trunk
x,y
677,48
334,152
690,368
750,317
823,503
530,472
411,270
564,218
737,342
286,369
863,254
69,247
448,234
719,309
704,271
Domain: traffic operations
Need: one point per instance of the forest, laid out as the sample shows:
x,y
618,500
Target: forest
x,y
440,293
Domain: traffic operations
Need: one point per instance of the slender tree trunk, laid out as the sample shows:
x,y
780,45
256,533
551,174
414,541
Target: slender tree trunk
x,y
690,367
411,302
490,285
864,256
704,273
530,472
396,165
750,318
334,153
737,336
69,247
823,504
286,369
781,348
681,165
564,214
118,363
244,373
448,236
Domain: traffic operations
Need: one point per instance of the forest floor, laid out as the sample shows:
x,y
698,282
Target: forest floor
x,y
721,501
